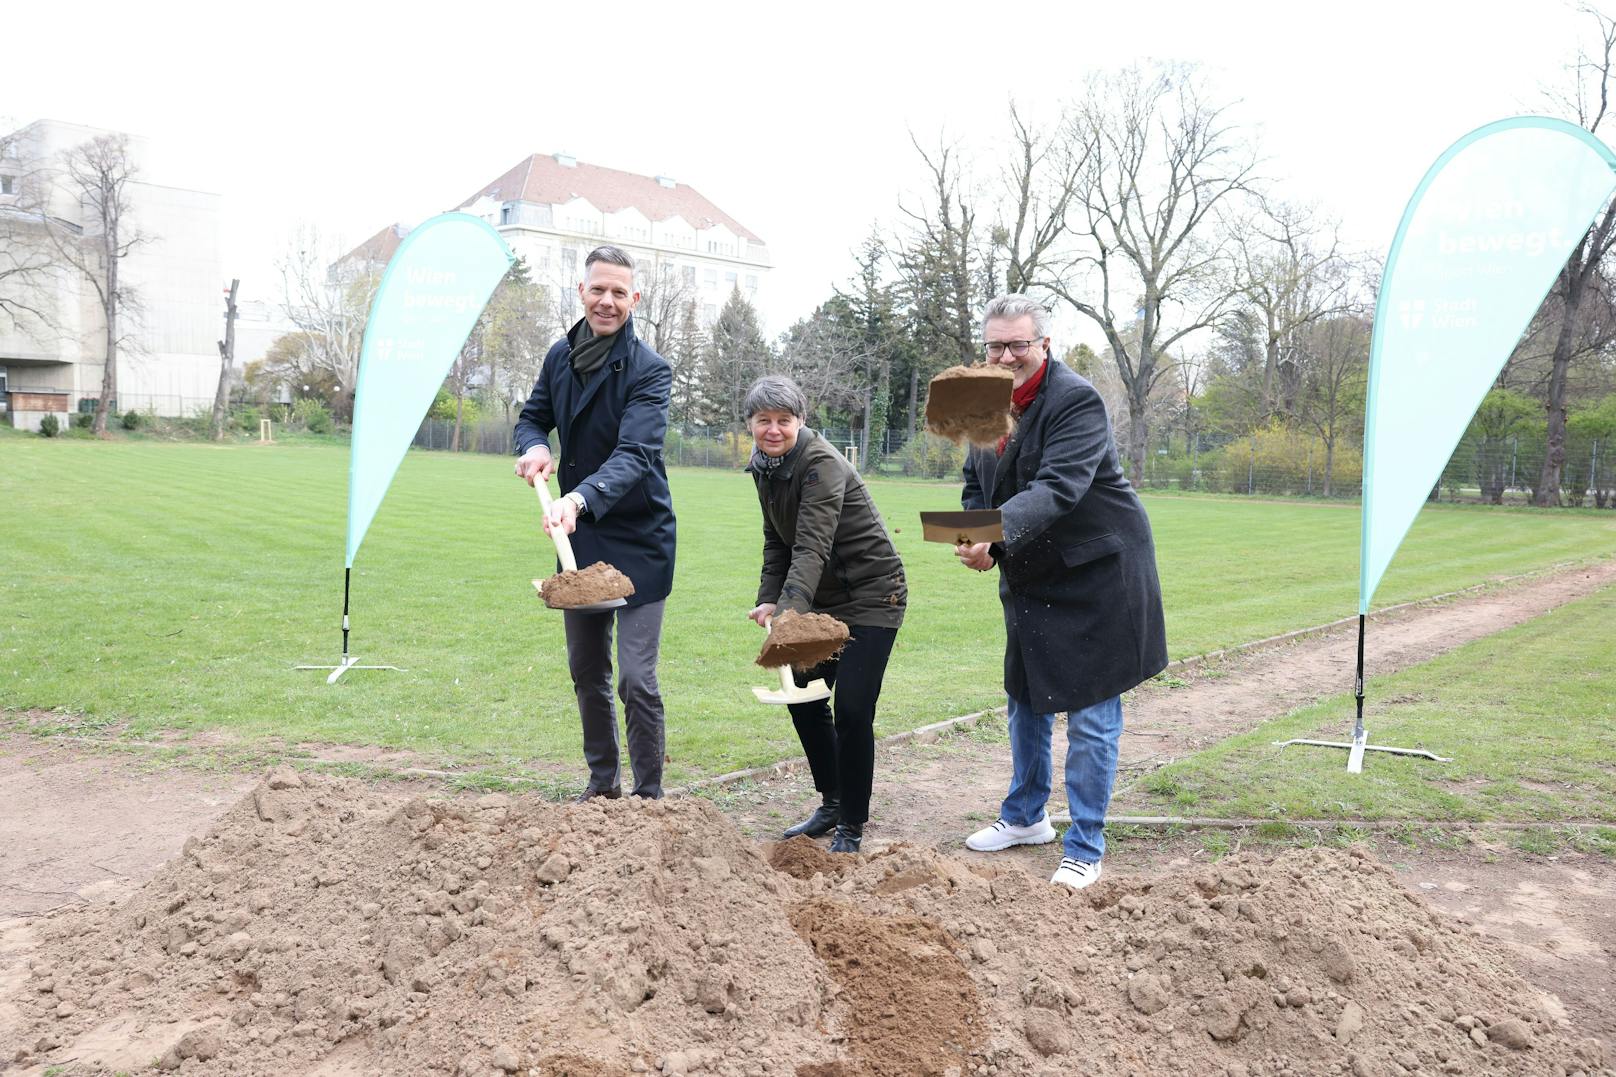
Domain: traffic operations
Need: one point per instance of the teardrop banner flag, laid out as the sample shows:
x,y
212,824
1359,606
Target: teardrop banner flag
x,y
430,297
1487,231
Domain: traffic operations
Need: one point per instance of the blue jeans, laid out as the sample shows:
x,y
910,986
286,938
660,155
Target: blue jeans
x,y
1092,735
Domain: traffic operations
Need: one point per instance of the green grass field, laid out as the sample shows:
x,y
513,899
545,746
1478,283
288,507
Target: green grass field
x,y
172,586
1528,717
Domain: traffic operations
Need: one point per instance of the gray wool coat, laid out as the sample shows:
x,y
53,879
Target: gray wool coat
x,y
1077,569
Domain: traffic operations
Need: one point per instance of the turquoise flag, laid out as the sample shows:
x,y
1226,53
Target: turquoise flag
x,y
1487,231
430,297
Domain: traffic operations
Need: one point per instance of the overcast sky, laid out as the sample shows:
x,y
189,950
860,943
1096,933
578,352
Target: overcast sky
x,y
793,118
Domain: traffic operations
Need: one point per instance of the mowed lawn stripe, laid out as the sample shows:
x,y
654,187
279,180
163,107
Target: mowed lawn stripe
x,y
168,586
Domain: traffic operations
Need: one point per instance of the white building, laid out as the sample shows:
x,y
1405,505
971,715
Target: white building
x,y
553,210
169,361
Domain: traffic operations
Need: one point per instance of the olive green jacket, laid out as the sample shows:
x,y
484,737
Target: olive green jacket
x,y
825,549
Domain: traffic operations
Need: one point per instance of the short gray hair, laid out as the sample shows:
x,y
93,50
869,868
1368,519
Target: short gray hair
x,y
1013,305
611,255
775,392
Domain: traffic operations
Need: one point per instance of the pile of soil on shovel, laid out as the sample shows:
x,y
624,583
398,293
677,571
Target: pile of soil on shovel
x,y
326,928
970,403
598,582
802,640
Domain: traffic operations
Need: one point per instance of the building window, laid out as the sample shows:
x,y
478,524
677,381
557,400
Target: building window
x,y
7,185
689,273
709,277
751,283
729,282
709,313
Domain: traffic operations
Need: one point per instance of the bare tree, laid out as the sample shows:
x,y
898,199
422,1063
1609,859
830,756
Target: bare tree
x,y
1587,101
1039,186
328,301
1291,274
97,175
665,291
227,360
1159,163
28,260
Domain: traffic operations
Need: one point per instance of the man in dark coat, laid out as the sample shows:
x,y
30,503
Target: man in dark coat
x,y
1077,577
606,395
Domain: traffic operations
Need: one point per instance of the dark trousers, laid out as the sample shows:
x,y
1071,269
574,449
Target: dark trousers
x,y
841,747
589,656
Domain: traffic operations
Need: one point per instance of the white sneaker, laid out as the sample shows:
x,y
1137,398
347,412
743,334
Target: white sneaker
x,y
1001,835
1076,874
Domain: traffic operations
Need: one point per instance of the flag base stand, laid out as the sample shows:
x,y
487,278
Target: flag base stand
x,y
348,662
1358,745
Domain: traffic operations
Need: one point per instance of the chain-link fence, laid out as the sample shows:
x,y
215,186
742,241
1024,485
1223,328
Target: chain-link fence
x,y
1274,462
696,445
1498,470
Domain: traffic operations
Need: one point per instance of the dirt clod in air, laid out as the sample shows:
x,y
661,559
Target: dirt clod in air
x,y
970,403
328,927
802,640
598,582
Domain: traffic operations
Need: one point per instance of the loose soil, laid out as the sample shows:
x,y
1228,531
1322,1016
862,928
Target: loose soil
x,y
598,582
970,403
802,640
82,827
324,926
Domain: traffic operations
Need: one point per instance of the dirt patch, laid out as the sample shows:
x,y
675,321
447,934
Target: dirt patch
x,y
908,1008
1556,915
803,858
328,927
598,582
970,403
802,640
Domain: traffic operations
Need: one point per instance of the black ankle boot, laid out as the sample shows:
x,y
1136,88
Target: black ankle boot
x,y
824,819
848,836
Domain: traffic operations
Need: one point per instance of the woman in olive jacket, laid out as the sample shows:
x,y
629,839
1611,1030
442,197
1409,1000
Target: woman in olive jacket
x,y
825,550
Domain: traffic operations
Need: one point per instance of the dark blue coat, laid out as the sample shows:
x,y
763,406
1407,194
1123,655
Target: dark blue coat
x,y
611,433
1077,569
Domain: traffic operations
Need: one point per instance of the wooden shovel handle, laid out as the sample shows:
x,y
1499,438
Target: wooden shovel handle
x,y
558,536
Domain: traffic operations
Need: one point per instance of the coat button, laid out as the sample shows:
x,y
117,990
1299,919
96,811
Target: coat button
x,y
601,485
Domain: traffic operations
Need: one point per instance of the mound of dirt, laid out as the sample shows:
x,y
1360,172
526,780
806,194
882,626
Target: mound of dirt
x,y
802,640
970,403
325,928
598,582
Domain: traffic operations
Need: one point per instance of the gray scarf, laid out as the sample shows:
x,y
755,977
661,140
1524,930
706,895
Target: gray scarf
x,y
590,352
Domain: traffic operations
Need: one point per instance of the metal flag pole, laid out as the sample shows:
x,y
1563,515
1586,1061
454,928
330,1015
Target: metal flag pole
x,y
348,661
1360,736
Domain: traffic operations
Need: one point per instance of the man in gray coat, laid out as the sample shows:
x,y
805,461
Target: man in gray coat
x,y
1077,577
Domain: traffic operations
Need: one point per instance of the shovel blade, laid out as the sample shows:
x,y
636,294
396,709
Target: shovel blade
x,y
961,528
809,693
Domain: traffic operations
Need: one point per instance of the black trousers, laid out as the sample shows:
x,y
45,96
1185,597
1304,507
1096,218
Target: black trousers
x,y
840,742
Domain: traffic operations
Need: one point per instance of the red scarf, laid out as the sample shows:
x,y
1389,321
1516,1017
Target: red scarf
x,y
1021,399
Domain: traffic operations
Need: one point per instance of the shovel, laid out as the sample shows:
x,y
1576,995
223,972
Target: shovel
x,y
564,552
789,692
963,528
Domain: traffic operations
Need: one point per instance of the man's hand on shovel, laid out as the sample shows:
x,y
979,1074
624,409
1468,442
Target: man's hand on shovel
x,y
977,555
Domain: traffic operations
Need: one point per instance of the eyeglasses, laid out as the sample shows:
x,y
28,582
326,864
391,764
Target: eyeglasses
x,y
1018,348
